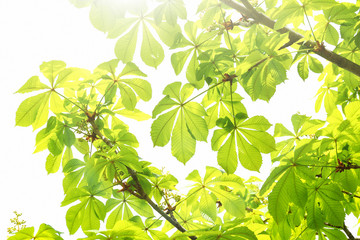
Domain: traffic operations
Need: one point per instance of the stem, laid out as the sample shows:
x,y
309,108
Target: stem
x,y
350,194
202,92
227,31
70,101
232,103
182,200
344,227
104,97
307,18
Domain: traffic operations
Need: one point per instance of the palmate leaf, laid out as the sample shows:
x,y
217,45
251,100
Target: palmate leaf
x,y
128,86
213,181
189,126
123,203
250,138
197,43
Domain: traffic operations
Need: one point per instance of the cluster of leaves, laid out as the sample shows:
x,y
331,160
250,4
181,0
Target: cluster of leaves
x,y
314,183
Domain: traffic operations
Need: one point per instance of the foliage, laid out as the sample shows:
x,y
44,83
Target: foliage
x,y
314,183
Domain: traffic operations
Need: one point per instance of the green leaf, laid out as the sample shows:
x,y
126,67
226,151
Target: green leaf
x,y
178,60
315,65
279,198
281,131
163,105
218,138
135,114
182,143
140,206
275,174
131,69
191,72
76,194
151,51
303,68
167,33
46,232
334,234
263,141
331,35
257,122
24,234
125,46
43,112
128,97
233,204
69,137
103,15
227,157
173,90
140,86
249,156
29,109
193,116
207,206
296,189
56,104
33,84
162,127
292,12
52,164
52,69
75,216
81,145
240,233
94,212
315,218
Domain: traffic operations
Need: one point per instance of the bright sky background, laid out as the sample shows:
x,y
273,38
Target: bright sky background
x,y
33,31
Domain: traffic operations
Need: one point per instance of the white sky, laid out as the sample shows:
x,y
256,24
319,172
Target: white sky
x,y
33,31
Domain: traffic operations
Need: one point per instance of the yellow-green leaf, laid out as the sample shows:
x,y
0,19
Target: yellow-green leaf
x,y
33,84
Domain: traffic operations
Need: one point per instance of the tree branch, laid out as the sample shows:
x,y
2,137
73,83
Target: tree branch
x,y
138,186
294,37
344,227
